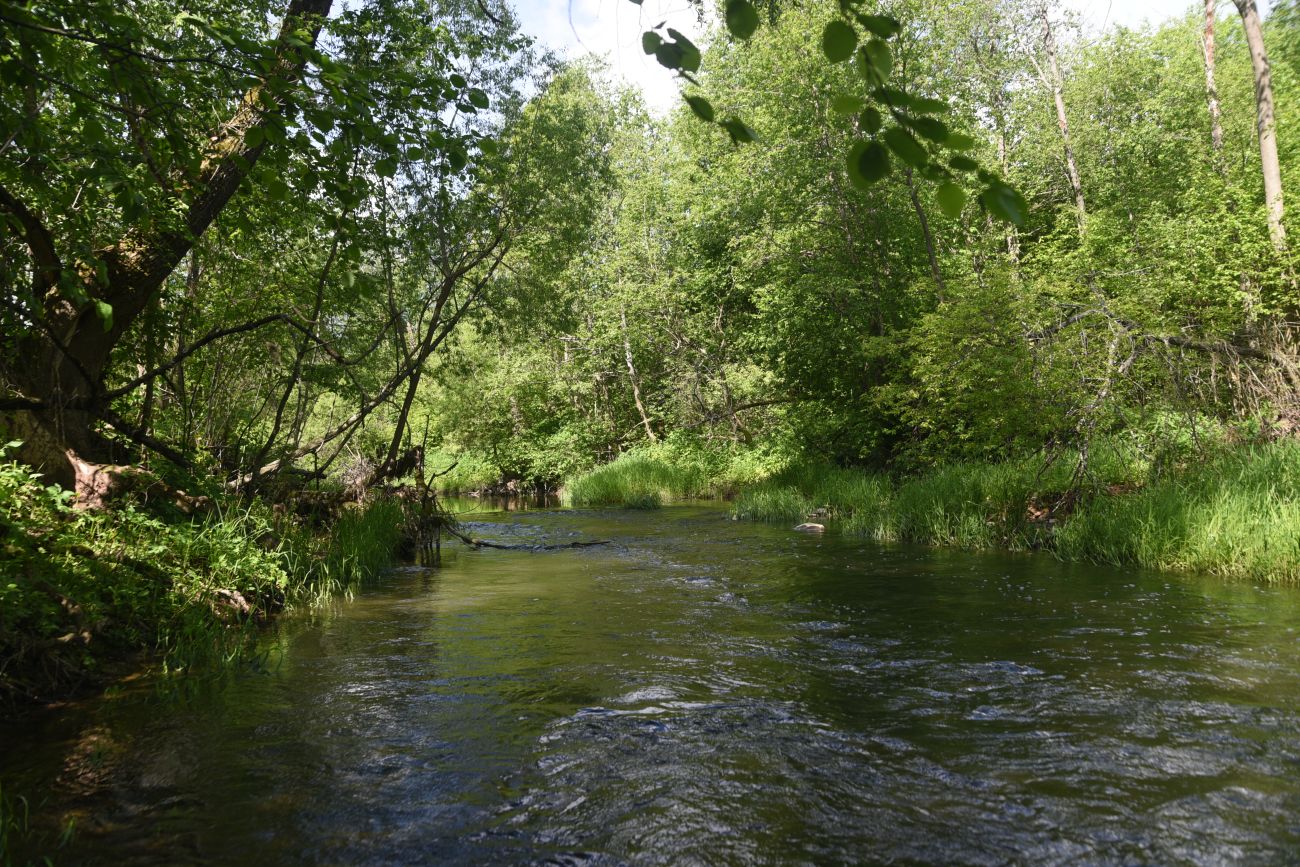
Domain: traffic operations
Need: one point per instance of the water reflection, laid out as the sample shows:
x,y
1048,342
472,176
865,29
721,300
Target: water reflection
x,y
706,691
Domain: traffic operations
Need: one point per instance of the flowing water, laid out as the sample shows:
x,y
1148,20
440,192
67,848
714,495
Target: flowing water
x,y
706,691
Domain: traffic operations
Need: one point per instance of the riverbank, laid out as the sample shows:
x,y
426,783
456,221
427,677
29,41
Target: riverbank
x,y
1233,512
81,592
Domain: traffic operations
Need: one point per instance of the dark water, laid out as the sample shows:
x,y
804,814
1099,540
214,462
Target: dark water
x,y
705,691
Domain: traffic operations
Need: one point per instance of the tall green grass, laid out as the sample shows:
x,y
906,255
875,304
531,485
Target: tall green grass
x,y
678,468
636,481
1235,513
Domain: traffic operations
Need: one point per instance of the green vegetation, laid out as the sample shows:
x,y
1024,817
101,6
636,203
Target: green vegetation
x,y
80,590
1233,514
1236,515
681,469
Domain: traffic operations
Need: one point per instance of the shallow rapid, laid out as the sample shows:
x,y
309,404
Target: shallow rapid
x,y
707,691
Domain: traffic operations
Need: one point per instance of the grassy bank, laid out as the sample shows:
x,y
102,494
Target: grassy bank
x,y
81,591
1235,513
1232,511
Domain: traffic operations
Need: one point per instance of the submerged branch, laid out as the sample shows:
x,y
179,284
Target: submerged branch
x,y
480,543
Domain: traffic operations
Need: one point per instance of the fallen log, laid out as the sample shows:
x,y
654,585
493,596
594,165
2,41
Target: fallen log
x,y
481,543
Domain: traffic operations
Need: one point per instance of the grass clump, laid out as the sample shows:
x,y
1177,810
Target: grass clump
x,y
1236,515
678,468
971,504
635,481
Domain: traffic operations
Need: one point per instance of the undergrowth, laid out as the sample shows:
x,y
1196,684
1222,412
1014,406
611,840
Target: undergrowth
x,y
80,591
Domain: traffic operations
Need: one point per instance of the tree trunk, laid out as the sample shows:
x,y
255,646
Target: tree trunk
x,y
1211,90
632,375
1013,236
1058,94
927,235
1265,121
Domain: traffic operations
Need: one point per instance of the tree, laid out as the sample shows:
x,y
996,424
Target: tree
x,y
78,309
130,94
1266,121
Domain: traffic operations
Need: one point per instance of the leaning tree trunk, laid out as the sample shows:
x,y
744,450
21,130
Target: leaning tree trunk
x,y
1265,121
61,363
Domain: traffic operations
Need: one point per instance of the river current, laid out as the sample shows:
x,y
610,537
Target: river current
x,y
703,691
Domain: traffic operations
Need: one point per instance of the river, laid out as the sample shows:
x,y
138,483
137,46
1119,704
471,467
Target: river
x,y
703,691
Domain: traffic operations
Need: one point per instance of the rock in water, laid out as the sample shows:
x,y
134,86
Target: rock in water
x,y
811,528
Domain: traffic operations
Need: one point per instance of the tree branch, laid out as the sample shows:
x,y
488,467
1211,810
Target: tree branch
x,y
39,241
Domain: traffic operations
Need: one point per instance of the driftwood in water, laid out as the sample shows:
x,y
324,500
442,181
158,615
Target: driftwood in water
x,y
480,543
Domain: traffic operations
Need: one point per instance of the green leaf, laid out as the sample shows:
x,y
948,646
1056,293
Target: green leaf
x,y
457,157
276,188
928,127
871,120
880,57
1005,202
952,199
387,167
105,312
893,96
868,163
669,55
847,104
963,164
742,18
960,142
702,107
690,55
457,80
881,25
650,42
478,98
926,105
740,132
907,148
838,41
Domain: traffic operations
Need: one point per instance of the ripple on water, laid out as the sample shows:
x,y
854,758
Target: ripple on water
x,y
707,691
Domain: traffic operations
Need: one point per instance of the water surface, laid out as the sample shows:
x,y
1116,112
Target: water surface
x,y
706,691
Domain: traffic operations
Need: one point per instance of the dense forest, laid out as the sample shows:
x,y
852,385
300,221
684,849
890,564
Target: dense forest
x,y
946,272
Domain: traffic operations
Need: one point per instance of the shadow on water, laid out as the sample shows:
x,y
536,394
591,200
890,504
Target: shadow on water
x,y
711,691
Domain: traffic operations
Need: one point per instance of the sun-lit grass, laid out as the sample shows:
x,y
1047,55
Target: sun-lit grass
x,y
636,481
79,589
1236,514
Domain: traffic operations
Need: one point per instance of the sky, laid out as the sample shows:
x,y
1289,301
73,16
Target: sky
x,y
613,28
